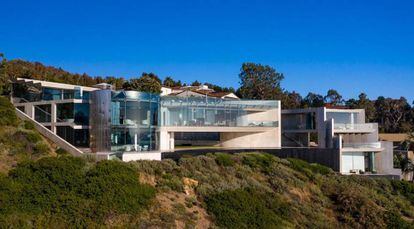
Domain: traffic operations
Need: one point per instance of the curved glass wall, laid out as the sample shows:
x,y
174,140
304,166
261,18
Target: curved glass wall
x,y
134,118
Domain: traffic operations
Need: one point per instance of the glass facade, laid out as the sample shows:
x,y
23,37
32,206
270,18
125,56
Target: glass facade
x,y
302,121
76,137
43,113
77,113
207,111
134,119
343,117
131,120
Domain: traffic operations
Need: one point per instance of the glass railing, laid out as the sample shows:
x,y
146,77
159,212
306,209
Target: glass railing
x,y
354,127
370,145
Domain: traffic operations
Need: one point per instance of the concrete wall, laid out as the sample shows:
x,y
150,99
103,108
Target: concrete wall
x,y
266,139
141,156
384,161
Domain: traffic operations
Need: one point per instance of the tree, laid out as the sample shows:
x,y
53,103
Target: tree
x,y
291,100
146,83
170,82
3,76
313,100
333,98
393,115
365,103
117,82
259,81
195,83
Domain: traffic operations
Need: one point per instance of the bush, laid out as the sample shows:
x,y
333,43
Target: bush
x,y
8,115
63,188
258,160
172,182
41,148
28,125
309,169
61,152
224,159
115,188
247,208
405,188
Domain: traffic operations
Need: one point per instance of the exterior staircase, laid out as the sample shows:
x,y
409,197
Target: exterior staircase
x,y
62,143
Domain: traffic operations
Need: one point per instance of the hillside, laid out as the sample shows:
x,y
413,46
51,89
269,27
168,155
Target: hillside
x,y
250,190
19,141
39,188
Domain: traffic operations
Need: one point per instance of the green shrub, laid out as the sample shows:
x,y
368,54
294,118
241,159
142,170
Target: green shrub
x,y
224,159
115,187
63,188
172,182
8,115
247,208
394,220
28,125
308,169
41,148
405,188
32,137
61,152
258,160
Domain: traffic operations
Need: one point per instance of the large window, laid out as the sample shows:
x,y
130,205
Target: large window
x,y
43,113
134,117
343,117
52,94
76,137
77,113
133,139
198,111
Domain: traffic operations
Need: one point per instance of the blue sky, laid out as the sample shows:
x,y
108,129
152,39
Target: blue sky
x,y
353,46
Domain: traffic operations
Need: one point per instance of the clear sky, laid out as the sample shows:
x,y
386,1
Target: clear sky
x,y
352,46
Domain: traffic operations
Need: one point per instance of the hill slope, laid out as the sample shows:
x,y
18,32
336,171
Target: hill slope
x,y
19,140
250,190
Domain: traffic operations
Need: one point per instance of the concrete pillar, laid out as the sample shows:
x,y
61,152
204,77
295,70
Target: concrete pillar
x,y
53,118
165,139
172,143
372,158
29,110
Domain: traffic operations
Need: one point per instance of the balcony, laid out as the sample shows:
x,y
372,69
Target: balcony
x,y
355,128
362,147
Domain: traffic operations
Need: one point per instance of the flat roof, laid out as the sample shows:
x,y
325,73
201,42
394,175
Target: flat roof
x,y
58,85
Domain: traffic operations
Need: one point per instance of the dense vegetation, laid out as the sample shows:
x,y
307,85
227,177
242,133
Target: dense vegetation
x,y
19,140
249,190
256,82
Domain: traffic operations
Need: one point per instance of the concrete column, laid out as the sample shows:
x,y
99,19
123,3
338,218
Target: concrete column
x,y
165,138
372,158
29,110
53,118
172,143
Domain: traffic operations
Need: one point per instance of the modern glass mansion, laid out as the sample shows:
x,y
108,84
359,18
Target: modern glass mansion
x,y
103,120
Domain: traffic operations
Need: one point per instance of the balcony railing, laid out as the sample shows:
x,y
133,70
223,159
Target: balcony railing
x,y
369,145
365,127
